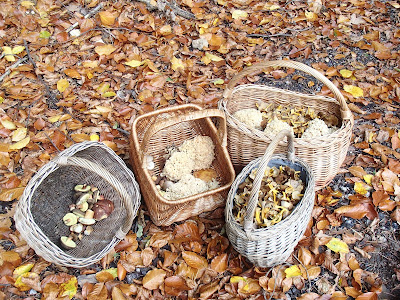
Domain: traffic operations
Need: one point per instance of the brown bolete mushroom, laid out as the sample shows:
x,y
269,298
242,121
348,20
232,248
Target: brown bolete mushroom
x,y
102,209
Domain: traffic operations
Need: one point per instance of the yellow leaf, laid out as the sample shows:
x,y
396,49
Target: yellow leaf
x,y
54,119
368,178
103,87
21,144
27,4
69,288
19,134
293,271
22,269
62,85
235,279
346,73
219,81
7,195
213,57
90,64
177,63
134,63
105,49
18,49
354,90
274,7
112,271
361,188
109,94
8,124
337,245
239,14
94,137
311,16
107,18
8,54
103,109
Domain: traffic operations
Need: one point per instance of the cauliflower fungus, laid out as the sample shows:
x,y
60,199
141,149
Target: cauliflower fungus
x,y
250,116
316,128
201,150
178,165
275,126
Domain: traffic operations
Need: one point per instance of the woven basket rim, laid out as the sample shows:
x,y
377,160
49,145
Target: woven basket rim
x,y
147,175
307,196
37,179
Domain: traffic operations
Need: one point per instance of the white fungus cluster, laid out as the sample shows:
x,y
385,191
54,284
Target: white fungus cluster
x,y
316,128
250,116
194,154
275,126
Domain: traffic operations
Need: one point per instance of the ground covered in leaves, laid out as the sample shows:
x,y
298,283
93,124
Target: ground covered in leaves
x,y
76,70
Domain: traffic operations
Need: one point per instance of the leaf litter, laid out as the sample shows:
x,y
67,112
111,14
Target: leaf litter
x,y
124,60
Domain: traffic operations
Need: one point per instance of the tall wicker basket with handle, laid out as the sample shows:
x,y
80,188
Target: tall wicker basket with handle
x,y
266,247
153,134
49,193
323,154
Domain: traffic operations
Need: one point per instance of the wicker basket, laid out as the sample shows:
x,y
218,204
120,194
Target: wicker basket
x,y
50,191
324,154
266,247
157,131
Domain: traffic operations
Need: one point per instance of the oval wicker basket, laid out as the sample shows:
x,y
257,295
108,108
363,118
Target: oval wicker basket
x,y
153,133
49,193
323,154
266,247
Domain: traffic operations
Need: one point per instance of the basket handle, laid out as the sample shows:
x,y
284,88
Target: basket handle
x,y
193,115
259,67
252,204
106,175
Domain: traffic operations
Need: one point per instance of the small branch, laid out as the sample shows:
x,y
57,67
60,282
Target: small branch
x,y
163,4
51,96
54,145
88,15
16,64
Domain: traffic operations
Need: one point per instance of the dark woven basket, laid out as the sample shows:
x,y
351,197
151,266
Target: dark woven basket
x,y
49,193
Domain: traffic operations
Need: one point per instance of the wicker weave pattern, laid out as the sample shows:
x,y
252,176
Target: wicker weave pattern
x,y
49,193
266,247
324,154
153,133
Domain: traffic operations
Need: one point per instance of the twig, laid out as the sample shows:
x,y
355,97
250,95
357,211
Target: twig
x,y
88,15
52,103
266,36
163,4
54,145
16,64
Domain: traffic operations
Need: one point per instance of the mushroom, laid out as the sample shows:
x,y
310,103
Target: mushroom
x,y
67,242
84,206
82,188
89,214
83,198
70,219
88,230
78,228
79,213
102,209
85,221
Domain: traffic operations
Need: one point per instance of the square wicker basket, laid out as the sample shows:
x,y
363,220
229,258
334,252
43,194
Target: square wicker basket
x,y
46,199
323,154
153,133
270,246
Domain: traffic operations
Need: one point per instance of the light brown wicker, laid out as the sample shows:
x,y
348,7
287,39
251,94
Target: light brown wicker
x,y
49,193
323,154
266,247
153,133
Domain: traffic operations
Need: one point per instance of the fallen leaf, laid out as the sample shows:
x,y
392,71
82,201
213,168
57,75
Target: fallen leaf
x,y
337,245
239,14
21,144
175,285
105,49
354,90
8,124
107,18
62,85
177,63
134,63
292,271
361,188
194,260
311,16
11,194
69,288
220,263
72,73
368,296
346,73
357,171
154,279
19,134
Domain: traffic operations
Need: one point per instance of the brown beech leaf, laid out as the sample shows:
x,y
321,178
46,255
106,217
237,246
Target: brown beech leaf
x,y
160,239
175,285
184,270
129,243
169,258
147,256
11,257
208,289
107,17
217,246
309,296
368,296
396,215
357,171
220,263
154,279
394,166
357,211
378,196
99,292
104,276
352,292
117,294
305,256
188,231
194,260
72,73
395,141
